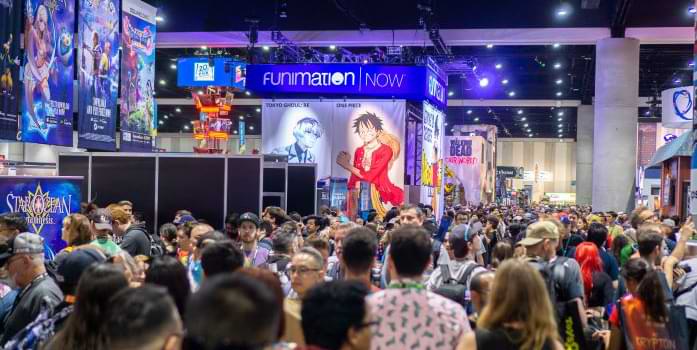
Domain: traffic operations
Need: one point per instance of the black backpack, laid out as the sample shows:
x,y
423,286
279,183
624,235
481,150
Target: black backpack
x,y
554,288
157,248
453,289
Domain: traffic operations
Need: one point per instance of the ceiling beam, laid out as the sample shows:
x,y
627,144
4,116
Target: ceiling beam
x,y
452,37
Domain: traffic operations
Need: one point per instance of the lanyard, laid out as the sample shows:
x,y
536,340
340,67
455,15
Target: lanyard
x,y
254,258
406,284
26,289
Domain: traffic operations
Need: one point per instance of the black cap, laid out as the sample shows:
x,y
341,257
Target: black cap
x,y
70,269
251,217
102,219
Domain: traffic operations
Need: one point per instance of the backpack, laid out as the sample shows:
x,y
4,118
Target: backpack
x,y
157,249
552,284
455,290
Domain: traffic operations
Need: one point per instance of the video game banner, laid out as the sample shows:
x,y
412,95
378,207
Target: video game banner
x,y
138,116
47,105
432,158
98,73
10,63
44,202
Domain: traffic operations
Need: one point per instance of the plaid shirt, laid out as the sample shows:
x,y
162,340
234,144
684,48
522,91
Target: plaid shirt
x,y
38,333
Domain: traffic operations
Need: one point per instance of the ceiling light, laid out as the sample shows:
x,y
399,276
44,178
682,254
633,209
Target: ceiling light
x,y
677,81
266,48
251,127
204,47
648,112
692,10
511,93
446,123
489,46
258,110
241,117
365,61
484,82
504,81
450,93
476,119
560,119
498,66
332,47
178,110
556,45
160,122
529,130
525,125
192,122
163,82
469,111
691,64
561,125
560,114
520,111
529,135
234,132
559,81
186,127
523,119
166,116
557,65
173,66
200,92
247,93
159,19
559,93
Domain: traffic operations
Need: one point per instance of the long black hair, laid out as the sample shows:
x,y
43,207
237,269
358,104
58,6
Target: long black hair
x,y
649,289
97,285
166,271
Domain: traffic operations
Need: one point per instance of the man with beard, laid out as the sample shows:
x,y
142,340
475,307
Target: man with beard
x,y
254,254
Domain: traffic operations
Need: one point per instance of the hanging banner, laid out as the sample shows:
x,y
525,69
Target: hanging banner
x,y
44,202
693,163
432,159
677,107
464,168
138,118
242,142
362,141
10,61
98,73
47,106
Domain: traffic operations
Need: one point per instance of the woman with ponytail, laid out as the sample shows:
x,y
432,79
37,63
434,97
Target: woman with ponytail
x,y
597,284
642,314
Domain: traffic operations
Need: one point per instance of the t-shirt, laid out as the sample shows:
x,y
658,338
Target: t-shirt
x,y
109,247
689,299
136,241
256,257
609,264
411,318
42,294
602,292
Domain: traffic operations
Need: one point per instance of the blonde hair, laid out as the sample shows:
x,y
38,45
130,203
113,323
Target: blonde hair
x,y
536,314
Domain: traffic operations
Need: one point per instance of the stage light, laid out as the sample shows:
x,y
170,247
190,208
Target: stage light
x,y
258,110
559,93
489,46
173,66
523,119
498,66
469,111
178,110
504,81
511,94
520,111
560,114
525,125
556,45
266,48
159,19
332,47
247,93
559,81
450,93
484,82
163,82
557,65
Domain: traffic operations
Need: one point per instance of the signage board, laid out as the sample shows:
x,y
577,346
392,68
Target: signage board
x,y
677,107
201,72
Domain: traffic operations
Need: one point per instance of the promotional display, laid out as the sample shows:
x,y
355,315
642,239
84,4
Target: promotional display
x,y
47,106
464,168
138,118
390,81
199,72
44,202
358,140
431,158
677,107
10,62
98,73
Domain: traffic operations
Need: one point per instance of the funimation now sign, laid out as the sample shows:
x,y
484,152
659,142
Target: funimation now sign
x,y
404,82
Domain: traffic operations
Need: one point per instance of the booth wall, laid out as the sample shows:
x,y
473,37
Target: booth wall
x,y
550,155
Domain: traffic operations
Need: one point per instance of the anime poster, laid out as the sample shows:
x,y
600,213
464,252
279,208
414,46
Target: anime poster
x,y
299,130
44,202
432,158
463,162
47,106
137,76
98,73
368,146
10,63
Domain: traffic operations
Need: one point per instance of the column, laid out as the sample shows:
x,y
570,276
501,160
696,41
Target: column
x,y
615,126
584,155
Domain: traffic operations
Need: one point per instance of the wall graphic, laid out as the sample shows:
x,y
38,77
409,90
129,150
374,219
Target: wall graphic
x,y
98,73
10,61
465,172
47,106
138,118
432,158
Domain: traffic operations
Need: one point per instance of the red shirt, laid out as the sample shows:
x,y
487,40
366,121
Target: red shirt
x,y
377,174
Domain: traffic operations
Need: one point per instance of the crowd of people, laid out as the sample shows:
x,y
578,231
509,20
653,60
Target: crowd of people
x,y
485,277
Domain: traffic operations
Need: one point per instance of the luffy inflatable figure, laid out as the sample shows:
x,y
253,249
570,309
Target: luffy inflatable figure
x,y
372,161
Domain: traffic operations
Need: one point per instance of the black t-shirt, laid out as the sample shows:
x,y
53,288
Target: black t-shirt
x,y
502,339
602,292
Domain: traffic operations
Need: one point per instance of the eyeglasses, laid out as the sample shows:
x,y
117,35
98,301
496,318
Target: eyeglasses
x,y
301,270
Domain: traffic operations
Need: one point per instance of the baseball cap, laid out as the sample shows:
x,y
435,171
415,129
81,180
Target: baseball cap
x,y
70,269
102,219
23,243
184,219
669,222
461,230
251,217
540,231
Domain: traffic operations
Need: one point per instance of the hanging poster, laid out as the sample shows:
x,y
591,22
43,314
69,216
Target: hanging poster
x,y
44,202
10,61
464,168
137,77
356,140
98,73
47,106
432,159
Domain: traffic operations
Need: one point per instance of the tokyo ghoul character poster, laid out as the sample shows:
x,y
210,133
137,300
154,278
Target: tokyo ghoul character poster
x,y
47,106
